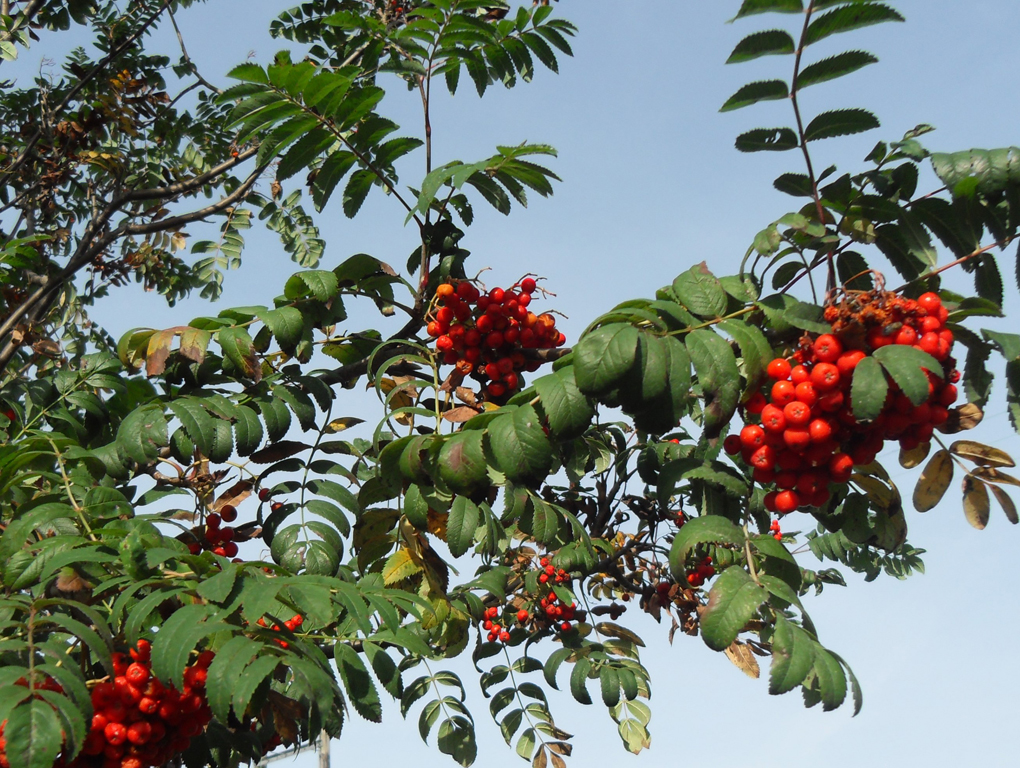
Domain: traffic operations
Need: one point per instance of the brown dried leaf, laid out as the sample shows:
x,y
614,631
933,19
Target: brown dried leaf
x,y
46,347
234,495
975,501
982,454
339,425
560,747
743,659
934,481
437,523
460,414
540,760
992,475
158,351
966,416
466,396
913,458
1006,503
194,342
557,761
282,449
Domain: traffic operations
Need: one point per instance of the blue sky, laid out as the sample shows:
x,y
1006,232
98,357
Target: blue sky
x,y
652,185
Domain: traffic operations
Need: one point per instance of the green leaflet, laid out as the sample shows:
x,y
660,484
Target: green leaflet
x,y
732,601
701,292
716,366
568,411
520,447
752,93
768,42
709,529
868,390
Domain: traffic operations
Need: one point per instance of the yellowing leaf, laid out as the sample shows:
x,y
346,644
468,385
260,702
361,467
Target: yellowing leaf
x,y
399,566
934,482
913,458
1006,503
983,454
740,654
992,475
339,425
975,502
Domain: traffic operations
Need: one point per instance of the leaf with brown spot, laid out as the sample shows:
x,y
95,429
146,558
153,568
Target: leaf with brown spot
x,y
934,481
234,495
557,761
194,342
460,414
1008,507
966,416
913,458
975,502
743,659
982,454
540,759
992,475
282,449
158,351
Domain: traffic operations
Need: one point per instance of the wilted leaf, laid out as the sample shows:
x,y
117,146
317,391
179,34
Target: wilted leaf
x,y
966,416
992,475
460,414
234,495
743,659
975,502
1006,503
913,458
981,454
934,482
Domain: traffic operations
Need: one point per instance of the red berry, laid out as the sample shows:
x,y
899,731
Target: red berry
x,y
806,393
115,733
929,343
522,615
228,512
779,369
800,374
906,336
772,419
783,393
825,377
797,414
930,301
756,403
764,458
787,501
827,348
732,444
528,285
848,361
797,438
752,437
770,500
137,674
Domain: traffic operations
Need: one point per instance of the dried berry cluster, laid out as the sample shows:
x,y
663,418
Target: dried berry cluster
x,y
484,334
804,435
137,721
217,538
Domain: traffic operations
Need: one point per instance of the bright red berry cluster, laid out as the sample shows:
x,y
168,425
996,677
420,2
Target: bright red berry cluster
x,y
484,334
776,531
703,571
216,537
806,435
138,721
291,624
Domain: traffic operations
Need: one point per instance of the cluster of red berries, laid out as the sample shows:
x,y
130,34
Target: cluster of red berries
x,y
558,612
498,631
138,721
551,573
217,538
483,334
290,624
807,435
776,531
703,571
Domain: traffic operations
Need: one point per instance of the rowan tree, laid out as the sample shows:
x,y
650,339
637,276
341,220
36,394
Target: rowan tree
x,y
200,566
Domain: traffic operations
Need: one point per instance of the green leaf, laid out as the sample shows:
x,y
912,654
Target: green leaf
x,y
754,351
578,680
834,67
247,431
461,525
831,679
177,638
784,311
239,348
609,681
840,122
33,735
360,689
604,356
772,41
716,366
868,390
708,529
569,412
462,464
847,18
142,433
752,93
287,325
320,283
907,367
978,170
917,239
767,139
793,656
520,446
700,291
751,7
732,602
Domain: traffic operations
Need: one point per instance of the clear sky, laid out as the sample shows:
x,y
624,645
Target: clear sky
x,y
652,184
